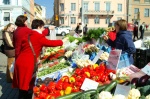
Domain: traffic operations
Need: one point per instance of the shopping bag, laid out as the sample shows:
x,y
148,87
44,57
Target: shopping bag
x,y
124,61
2,48
52,35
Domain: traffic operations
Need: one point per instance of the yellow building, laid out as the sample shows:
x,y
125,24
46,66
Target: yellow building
x,y
38,11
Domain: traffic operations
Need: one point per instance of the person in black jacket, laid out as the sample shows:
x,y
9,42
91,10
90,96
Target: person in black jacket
x,y
142,29
85,29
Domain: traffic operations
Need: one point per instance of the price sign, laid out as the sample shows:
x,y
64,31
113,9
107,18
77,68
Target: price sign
x,y
146,69
97,56
113,59
89,84
123,90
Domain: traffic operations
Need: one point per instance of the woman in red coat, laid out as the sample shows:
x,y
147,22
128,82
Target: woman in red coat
x,y
24,64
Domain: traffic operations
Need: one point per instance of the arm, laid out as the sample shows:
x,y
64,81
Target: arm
x,y
111,43
8,40
46,32
50,43
129,45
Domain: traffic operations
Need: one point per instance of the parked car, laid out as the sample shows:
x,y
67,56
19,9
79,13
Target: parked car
x,y
61,31
66,27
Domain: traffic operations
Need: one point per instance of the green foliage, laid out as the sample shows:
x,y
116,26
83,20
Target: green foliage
x,y
94,33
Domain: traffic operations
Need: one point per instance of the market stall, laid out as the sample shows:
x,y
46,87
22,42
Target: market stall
x,y
87,68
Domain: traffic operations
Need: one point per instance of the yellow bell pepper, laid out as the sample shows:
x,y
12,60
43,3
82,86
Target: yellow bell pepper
x,y
68,90
62,92
88,74
72,80
95,65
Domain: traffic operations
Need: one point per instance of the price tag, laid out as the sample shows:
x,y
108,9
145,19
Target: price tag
x,y
113,59
136,75
97,56
131,69
146,69
89,84
123,90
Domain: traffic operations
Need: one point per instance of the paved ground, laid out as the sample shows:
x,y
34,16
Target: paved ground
x,y
6,92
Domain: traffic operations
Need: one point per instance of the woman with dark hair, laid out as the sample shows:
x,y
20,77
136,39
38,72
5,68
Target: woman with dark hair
x,y
9,49
123,39
24,62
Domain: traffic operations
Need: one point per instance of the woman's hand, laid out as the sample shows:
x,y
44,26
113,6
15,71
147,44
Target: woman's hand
x,y
51,27
105,37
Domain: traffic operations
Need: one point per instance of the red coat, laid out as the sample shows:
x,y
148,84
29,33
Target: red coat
x,y
24,64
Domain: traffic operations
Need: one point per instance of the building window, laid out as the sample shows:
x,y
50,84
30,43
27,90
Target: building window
x,y
146,13
61,6
136,10
73,7
61,20
147,1
119,7
6,1
119,18
73,20
85,5
86,20
96,20
6,16
107,20
97,6
107,6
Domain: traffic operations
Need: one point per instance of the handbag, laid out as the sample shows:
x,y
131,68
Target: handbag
x,y
2,48
35,60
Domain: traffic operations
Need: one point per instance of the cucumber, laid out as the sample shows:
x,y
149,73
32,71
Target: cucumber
x,y
100,88
110,86
69,96
78,96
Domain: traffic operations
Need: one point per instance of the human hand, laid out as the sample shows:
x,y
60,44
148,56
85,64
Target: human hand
x,y
51,27
105,37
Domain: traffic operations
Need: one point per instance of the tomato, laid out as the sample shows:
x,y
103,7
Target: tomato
x,y
77,71
78,84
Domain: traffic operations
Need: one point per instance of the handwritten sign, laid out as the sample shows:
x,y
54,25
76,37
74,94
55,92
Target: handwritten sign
x,y
97,56
122,89
146,69
89,84
131,69
113,59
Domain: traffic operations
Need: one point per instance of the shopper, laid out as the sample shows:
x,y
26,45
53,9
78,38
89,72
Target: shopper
x,y
142,29
123,39
9,50
24,62
135,31
80,30
76,34
85,29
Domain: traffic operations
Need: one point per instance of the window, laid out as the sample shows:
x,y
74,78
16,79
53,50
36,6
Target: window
x,y
6,16
61,6
107,20
85,5
119,18
86,21
62,20
97,6
136,10
107,6
73,20
6,1
147,1
146,13
73,7
96,20
119,7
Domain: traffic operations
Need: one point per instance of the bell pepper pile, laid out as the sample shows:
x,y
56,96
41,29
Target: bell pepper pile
x,y
67,85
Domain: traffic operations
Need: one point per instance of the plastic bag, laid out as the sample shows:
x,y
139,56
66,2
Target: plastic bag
x,y
12,67
52,35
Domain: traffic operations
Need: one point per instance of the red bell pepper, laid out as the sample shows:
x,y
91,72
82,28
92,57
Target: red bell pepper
x,y
75,89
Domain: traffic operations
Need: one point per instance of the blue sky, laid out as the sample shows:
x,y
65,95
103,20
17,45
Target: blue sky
x,y
49,6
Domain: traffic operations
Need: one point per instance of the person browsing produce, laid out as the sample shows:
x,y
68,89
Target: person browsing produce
x,y
24,63
123,39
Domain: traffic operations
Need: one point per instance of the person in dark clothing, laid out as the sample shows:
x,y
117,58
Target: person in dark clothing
x,y
142,29
135,32
123,39
85,29
77,28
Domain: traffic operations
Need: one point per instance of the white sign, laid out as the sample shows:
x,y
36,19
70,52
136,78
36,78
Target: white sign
x,y
97,56
89,84
146,69
121,89
113,59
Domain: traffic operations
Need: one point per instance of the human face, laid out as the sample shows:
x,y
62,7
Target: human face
x,y
117,28
11,28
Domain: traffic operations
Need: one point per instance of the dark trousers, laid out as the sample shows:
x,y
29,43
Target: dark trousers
x,y
142,34
23,94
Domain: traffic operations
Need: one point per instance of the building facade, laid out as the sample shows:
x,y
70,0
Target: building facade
x,y
43,13
139,10
10,9
94,13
